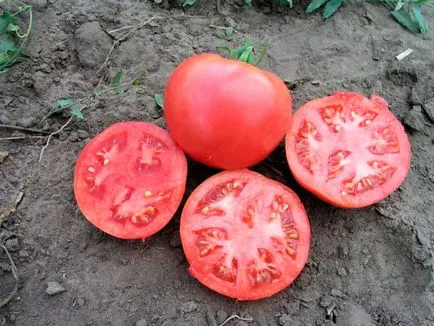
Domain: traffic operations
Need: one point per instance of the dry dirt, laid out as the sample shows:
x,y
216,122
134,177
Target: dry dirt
x,y
371,266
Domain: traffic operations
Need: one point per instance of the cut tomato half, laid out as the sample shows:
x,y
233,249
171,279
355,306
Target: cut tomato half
x,y
348,150
244,235
130,179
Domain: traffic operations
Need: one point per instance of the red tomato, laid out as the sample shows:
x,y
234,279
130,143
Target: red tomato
x,y
226,113
129,180
348,150
244,235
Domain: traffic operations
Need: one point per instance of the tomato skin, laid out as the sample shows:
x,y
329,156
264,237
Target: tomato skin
x,y
243,241
121,183
224,113
357,142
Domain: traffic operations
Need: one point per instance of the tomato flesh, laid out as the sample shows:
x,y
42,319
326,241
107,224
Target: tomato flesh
x,y
348,150
130,179
225,113
244,235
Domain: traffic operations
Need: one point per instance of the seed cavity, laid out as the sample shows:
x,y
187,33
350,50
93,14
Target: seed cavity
x,y
382,172
385,141
262,269
306,138
220,192
226,269
209,239
336,163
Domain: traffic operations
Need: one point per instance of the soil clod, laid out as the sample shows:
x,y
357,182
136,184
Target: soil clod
x,y
428,107
414,118
12,244
142,322
54,287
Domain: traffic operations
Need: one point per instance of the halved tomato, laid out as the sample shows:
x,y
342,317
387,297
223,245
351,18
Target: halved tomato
x,y
244,235
348,150
130,179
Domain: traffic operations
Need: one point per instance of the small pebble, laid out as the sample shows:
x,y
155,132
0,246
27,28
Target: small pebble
x,y
315,82
45,68
142,322
325,301
24,254
3,156
12,244
285,320
189,307
83,134
342,271
54,288
81,302
5,267
414,118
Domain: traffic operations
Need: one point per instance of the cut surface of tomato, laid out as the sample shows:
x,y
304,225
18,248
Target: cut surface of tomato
x,y
130,179
244,235
348,150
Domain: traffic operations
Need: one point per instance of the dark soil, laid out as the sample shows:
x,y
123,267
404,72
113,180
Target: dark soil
x,y
371,266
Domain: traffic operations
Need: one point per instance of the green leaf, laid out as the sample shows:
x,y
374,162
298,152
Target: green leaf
x,y
246,56
419,19
237,52
4,58
331,7
5,20
248,2
77,113
7,45
284,2
314,5
13,28
399,5
116,82
189,2
159,100
404,18
229,31
64,103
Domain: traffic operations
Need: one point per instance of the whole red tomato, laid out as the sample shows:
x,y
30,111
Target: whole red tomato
x,y
225,113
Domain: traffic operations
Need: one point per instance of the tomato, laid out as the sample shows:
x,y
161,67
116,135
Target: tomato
x,y
225,113
244,235
129,180
348,150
